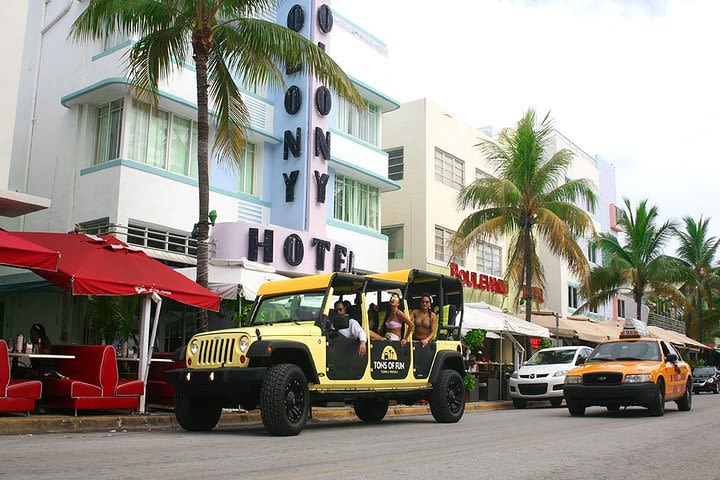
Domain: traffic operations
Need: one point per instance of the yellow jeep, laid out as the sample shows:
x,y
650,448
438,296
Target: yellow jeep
x,y
289,355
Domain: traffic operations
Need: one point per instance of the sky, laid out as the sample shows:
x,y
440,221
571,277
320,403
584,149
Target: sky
x,y
636,82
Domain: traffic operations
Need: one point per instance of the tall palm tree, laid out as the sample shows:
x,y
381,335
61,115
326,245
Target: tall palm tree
x,y
696,253
529,199
636,264
225,38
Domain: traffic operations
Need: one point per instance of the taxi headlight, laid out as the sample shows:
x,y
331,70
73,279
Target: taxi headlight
x,y
560,373
638,378
244,343
194,347
573,379
514,375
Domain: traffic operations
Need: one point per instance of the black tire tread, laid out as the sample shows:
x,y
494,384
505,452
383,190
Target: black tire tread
x,y
371,410
438,398
685,403
657,408
195,412
272,402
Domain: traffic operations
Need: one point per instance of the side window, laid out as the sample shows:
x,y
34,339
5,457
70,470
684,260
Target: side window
x,y
673,350
665,349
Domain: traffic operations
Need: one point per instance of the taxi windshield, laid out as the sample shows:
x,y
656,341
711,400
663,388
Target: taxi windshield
x,y
550,357
619,351
297,307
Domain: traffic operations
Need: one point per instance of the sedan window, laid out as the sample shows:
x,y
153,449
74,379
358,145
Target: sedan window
x,y
550,357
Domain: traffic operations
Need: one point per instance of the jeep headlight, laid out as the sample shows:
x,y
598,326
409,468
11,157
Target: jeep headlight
x,y
244,343
194,346
638,378
514,375
573,379
560,373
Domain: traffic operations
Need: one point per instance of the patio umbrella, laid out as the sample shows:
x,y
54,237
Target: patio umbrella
x,y
17,252
91,265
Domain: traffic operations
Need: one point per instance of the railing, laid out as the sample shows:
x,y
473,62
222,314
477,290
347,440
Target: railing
x,y
147,237
666,322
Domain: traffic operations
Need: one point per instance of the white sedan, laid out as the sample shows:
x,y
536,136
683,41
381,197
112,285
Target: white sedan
x,y
543,376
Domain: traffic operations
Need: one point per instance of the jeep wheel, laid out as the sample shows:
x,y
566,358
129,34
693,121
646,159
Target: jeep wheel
x,y
685,403
555,402
196,412
519,403
447,401
371,410
284,400
576,410
657,407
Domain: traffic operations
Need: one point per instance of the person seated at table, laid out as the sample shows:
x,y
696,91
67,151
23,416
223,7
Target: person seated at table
x,y
39,367
424,321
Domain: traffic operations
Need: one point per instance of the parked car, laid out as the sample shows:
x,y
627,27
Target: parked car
x,y
705,379
543,376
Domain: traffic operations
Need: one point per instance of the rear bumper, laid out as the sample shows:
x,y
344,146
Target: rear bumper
x,y
219,380
624,394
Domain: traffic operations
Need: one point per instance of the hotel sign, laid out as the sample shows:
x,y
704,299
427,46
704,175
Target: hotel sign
x,y
479,281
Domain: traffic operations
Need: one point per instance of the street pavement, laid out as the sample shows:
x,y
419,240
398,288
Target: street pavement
x,y
536,443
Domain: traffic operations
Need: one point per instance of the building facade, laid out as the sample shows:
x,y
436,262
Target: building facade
x,y
312,171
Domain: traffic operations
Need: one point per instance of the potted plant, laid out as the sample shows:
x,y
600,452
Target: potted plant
x,y
112,318
474,340
472,392
545,343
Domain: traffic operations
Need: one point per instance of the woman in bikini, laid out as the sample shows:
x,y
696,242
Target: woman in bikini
x,y
395,319
424,321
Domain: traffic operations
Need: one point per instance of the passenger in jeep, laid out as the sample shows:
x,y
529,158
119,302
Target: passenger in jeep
x,y
354,329
374,322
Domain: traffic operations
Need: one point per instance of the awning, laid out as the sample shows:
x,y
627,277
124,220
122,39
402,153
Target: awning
x,y
14,204
490,318
675,338
548,321
591,331
91,265
231,279
18,252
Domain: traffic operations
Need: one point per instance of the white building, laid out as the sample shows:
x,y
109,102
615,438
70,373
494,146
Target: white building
x,y
110,163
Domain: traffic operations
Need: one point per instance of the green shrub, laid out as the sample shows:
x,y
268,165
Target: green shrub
x,y
474,339
546,343
469,382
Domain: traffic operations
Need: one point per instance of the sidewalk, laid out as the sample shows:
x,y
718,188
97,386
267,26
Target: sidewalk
x,y
38,424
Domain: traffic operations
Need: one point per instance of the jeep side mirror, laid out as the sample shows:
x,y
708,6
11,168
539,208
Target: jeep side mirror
x,y
580,360
671,357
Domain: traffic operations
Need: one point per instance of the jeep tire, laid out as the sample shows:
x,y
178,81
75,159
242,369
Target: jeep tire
x,y
447,399
684,404
284,400
371,410
196,412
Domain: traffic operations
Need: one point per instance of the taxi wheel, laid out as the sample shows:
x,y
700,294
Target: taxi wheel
x,y
284,400
371,410
575,410
657,407
447,399
519,403
685,403
196,412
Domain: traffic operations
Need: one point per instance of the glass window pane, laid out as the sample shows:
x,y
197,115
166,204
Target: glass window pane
x,y
157,138
179,145
246,170
103,129
138,131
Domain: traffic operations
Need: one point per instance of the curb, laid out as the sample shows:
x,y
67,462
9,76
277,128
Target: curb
x,y
166,420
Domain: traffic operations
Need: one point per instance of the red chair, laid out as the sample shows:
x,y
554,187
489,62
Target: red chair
x,y
16,395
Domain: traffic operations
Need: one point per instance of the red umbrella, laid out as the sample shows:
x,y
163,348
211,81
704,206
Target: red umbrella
x,y
91,265
17,252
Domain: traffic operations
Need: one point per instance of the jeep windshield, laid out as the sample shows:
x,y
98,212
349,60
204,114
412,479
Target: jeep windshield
x,y
626,351
551,357
296,307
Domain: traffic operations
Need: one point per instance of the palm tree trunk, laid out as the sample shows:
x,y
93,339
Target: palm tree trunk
x,y
200,41
638,302
699,315
527,259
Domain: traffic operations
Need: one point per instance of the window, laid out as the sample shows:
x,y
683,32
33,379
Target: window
x,y
162,139
442,250
356,202
449,170
246,169
481,174
361,124
593,309
489,259
621,308
572,297
109,126
395,241
589,206
592,252
395,163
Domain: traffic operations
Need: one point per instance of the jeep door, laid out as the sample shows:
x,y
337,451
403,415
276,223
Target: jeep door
x,y
344,362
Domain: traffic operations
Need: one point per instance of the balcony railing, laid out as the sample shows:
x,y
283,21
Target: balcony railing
x,y
147,237
666,322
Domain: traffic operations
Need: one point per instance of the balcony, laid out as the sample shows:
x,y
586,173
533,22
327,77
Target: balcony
x,y
666,322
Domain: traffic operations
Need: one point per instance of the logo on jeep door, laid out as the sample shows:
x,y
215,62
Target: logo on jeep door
x,y
389,353
389,361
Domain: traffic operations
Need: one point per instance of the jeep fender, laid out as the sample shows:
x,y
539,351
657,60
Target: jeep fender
x,y
269,352
448,359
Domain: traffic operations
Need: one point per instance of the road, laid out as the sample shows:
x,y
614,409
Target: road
x,y
536,443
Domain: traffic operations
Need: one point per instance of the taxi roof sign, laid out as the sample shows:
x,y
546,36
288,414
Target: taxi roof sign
x,y
634,328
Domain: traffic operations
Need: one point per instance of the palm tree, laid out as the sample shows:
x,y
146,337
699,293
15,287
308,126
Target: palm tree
x,y
225,38
637,264
696,253
529,199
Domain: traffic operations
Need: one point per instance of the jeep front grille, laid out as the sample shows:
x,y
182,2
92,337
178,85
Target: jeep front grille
x,y
216,351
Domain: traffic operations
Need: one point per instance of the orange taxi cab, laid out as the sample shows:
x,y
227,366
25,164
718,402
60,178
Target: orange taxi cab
x,y
635,370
